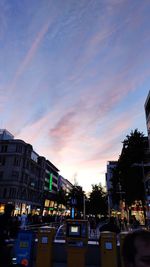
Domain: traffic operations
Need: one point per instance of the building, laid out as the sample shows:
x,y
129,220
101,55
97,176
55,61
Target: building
x,y
64,188
147,113
64,184
50,187
5,135
27,180
21,175
147,174
110,166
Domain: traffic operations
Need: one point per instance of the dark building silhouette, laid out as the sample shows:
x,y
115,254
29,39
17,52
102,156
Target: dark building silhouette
x,y
27,180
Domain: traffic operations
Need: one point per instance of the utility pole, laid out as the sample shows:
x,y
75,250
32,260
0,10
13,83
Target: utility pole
x,y
84,214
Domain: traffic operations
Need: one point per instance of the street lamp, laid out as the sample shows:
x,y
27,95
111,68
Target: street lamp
x,y
84,215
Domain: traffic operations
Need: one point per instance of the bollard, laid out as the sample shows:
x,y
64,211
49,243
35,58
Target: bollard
x,y
122,236
45,247
23,248
108,249
76,242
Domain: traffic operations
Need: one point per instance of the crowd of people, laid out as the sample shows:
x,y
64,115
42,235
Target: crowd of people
x,y
21,221
117,225
10,225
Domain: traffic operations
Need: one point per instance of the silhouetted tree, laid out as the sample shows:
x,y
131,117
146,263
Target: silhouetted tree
x,y
98,200
128,175
76,194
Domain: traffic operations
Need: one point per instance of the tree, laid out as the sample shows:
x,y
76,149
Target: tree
x,y
133,148
77,194
128,175
98,200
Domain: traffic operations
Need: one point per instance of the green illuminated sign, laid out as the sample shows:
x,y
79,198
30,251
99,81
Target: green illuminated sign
x,y
50,181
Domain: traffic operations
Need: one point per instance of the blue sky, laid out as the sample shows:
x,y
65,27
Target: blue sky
x,y
74,77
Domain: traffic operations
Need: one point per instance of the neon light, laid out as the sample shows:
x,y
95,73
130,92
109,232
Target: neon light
x,y
72,213
50,181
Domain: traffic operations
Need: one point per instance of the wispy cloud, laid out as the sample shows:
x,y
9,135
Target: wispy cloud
x,y
30,54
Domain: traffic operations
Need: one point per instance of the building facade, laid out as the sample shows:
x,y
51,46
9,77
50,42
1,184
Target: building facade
x,y
147,114
21,176
50,187
27,180
147,174
64,184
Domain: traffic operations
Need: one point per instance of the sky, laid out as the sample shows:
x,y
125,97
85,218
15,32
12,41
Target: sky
x,y
74,77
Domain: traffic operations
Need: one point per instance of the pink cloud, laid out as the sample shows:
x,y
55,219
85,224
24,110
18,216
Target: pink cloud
x,y
63,131
75,123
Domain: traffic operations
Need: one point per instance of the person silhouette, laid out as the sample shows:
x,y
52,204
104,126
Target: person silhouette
x,y
6,224
136,249
111,226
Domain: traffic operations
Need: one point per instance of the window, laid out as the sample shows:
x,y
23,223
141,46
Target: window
x,y
4,192
15,174
32,168
54,188
12,193
16,161
27,164
2,161
18,148
32,183
26,178
1,175
4,148
54,180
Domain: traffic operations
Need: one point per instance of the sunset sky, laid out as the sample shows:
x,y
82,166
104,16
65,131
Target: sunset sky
x,y
74,77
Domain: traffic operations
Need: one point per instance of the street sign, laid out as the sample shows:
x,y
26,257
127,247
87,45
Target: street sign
x,y
73,201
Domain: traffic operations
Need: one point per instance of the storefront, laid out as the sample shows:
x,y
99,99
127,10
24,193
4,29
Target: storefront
x,y
138,211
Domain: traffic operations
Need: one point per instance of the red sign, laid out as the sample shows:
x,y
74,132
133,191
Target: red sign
x,y
24,262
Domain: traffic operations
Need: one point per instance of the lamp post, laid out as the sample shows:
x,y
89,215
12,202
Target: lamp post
x,y
121,193
84,212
